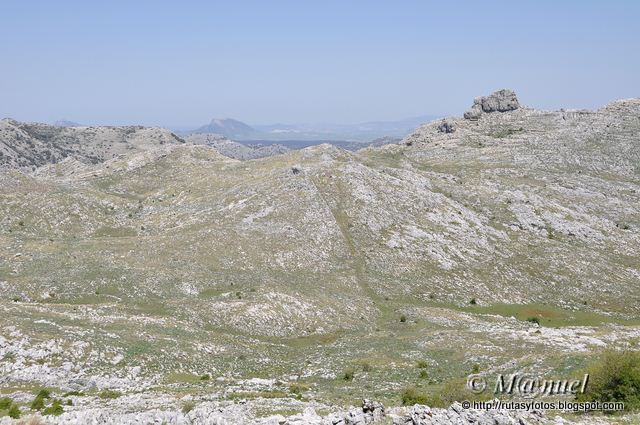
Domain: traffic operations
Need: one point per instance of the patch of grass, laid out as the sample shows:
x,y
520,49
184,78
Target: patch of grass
x,y
258,394
549,315
110,394
423,374
422,364
205,377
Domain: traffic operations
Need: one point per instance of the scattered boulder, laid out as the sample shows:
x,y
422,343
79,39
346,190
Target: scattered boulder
x,y
500,101
446,126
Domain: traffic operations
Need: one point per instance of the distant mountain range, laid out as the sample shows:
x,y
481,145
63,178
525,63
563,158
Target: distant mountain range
x,y
361,132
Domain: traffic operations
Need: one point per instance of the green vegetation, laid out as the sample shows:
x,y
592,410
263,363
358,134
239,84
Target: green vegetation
x,y
533,320
348,374
9,407
455,390
412,395
205,377
188,406
5,403
257,394
422,364
473,301
298,388
403,318
14,412
110,394
55,409
39,401
615,376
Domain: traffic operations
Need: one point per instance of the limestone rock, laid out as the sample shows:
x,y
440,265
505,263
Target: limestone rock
x,y
500,101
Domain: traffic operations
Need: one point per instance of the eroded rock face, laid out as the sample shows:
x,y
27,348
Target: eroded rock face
x,y
500,101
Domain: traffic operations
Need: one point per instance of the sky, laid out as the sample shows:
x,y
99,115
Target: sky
x,y
182,63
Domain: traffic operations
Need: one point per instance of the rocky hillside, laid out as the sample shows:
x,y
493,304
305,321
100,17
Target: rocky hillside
x,y
30,145
511,231
236,150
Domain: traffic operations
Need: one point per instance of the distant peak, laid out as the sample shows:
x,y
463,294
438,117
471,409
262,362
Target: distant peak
x,y
66,123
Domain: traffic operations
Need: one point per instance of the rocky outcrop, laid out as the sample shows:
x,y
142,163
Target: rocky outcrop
x,y
500,101
446,127
456,414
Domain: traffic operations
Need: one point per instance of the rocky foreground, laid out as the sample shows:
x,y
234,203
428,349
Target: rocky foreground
x,y
239,414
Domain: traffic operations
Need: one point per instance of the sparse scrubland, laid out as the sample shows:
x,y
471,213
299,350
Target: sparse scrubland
x,y
134,264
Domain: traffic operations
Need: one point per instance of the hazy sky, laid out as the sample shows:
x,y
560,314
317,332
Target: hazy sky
x,y
184,62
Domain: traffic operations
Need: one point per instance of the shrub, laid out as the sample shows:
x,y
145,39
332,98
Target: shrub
x,y
348,375
473,301
422,364
403,318
188,407
475,368
5,403
423,374
411,396
298,388
38,402
205,377
366,367
110,394
615,376
55,409
533,320
14,411
450,392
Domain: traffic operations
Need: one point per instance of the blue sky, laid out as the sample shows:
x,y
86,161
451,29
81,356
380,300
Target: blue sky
x,y
183,62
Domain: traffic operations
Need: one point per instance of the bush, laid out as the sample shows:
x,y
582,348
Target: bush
x,y
348,375
298,388
403,318
366,367
411,396
55,409
205,377
475,368
14,411
422,364
38,402
533,320
450,392
110,394
615,376
473,301
423,374
188,407
5,403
